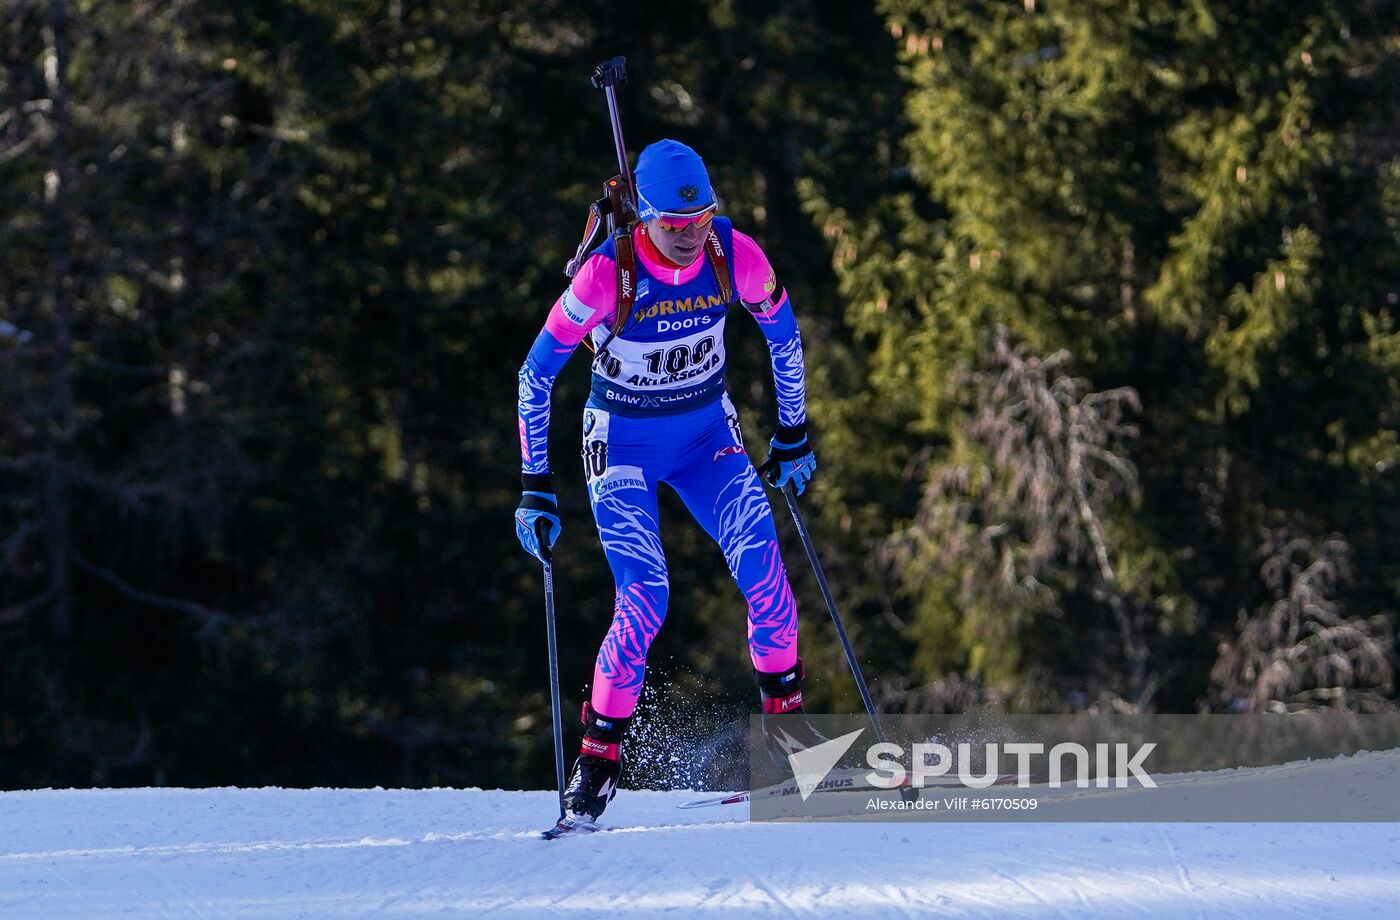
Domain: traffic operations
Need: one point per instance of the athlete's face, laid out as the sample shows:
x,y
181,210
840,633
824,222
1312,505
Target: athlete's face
x,y
678,240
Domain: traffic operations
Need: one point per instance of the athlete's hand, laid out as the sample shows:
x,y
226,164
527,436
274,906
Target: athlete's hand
x,y
538,517
790,458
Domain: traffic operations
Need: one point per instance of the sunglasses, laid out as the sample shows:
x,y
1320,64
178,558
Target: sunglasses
x,y
678,223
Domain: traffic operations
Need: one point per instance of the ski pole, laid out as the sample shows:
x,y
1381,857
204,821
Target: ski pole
x,y
540,531
831,608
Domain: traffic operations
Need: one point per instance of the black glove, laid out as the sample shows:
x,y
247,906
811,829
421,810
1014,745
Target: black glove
x,y
790,458
539,509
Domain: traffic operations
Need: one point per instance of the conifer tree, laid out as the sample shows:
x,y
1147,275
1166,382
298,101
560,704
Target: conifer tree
x,y
1193,203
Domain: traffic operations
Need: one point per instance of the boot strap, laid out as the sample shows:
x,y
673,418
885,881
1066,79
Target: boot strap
x,y
595,748
602,736
777,705
781,683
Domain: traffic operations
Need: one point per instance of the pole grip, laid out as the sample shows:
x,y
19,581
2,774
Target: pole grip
x,y
542,526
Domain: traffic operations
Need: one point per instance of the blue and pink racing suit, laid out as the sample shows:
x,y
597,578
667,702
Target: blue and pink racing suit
x,y
658,412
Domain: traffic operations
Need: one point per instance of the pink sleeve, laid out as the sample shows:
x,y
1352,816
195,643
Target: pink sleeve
x,y
752,274
590,299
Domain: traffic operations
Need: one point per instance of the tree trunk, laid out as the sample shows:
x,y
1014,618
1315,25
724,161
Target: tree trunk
x,y
57,516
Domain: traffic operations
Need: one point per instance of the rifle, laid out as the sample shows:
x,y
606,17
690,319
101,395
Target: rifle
x,y
617,209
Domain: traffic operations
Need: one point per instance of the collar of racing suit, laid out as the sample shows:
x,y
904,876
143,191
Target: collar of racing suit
x,y
661,267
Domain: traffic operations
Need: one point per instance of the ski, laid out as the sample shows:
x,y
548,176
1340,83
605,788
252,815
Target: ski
x,y
836,781
571,826
733,798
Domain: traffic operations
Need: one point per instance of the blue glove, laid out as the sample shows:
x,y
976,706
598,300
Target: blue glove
x,y
538,511
790,458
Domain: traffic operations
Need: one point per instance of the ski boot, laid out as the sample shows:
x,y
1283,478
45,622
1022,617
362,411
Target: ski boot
x,y
782,696
598,768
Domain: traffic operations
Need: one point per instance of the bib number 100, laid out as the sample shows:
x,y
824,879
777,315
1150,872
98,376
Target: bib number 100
x,y
677,359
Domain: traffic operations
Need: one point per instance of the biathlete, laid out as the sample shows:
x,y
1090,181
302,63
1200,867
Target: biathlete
x,y
658,412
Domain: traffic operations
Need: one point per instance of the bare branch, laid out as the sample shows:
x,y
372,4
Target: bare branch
x,y
11,547
210,621
20,611
1301,647
22,464
1044,459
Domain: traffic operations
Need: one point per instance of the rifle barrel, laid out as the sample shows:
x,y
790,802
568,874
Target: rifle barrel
x,y
623,169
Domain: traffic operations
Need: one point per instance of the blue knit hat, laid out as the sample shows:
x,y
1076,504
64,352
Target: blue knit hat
x,y
671,177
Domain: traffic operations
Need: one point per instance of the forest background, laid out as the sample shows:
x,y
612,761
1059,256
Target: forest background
x,y
1100,310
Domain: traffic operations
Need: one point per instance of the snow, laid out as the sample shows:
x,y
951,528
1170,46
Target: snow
x,y
331,853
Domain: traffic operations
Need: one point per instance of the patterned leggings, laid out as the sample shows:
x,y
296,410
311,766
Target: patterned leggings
x,y
700,454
